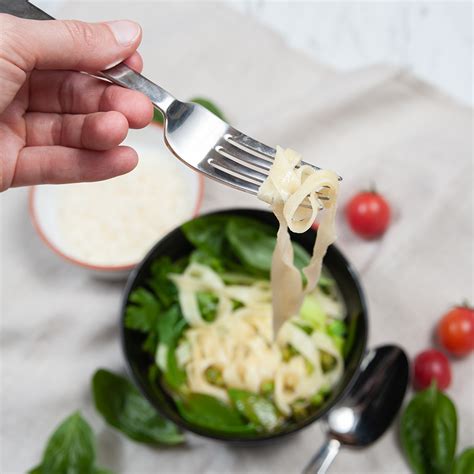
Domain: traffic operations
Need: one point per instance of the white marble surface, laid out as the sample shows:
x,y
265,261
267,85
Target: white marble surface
x,y
432,39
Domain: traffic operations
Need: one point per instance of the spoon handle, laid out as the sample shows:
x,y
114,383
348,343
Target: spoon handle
x,y
323,458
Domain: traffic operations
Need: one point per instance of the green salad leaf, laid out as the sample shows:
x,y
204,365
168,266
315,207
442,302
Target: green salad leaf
x,y
142,311
209,412
206,234
464,463
428,432
257,409
171,325
124,408
70,449
209,105
254,242
164,289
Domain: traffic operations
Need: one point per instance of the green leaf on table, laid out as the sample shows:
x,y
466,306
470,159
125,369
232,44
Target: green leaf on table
x,y
209,105
70,449
428,432
209,412
257,409
124,408
464,463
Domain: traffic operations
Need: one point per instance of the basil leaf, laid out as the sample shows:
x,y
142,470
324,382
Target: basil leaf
x,y
464,463
124,408
254,242
207,233
209,412
70,449
257,409
428,432
209,106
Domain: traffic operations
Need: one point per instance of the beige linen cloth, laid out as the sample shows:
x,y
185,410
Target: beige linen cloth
x,y
58,325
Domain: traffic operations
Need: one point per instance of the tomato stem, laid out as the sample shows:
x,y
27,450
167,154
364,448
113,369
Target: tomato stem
x,y
373,188
466,304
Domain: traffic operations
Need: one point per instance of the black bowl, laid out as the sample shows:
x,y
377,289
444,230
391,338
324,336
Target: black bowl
x,y
175,246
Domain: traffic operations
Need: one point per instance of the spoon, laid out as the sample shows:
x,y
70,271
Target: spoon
x,y
368,409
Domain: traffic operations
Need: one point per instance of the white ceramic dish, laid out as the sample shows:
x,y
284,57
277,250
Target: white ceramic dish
x,y
43,203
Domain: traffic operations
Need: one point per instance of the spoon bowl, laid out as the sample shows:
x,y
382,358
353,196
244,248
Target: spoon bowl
x,y
369,407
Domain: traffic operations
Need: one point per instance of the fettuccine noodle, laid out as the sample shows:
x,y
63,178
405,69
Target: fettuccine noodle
x,y
288,189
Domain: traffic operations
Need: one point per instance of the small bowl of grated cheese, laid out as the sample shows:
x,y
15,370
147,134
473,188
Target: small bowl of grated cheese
x,y
109,226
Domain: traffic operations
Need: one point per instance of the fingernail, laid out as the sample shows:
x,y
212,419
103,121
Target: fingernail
x,y
125,32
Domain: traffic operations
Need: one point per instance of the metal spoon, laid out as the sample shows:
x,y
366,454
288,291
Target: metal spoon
x,y
368,409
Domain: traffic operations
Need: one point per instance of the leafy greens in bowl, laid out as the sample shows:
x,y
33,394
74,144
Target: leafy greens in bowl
x,y
205,285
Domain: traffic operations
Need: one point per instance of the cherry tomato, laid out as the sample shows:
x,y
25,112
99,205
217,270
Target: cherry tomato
x,y
456,330
368,214
431,365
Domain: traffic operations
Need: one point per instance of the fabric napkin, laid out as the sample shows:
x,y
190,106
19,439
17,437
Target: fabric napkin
x,y
379,124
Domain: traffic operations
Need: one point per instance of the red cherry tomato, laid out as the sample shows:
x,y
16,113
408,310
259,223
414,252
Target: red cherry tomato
x,y
368,214
431,365
456,331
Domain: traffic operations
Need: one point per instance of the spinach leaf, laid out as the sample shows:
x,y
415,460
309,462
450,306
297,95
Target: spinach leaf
x,y
171,325
142,311
123,407
428,432
257,409
209,412
207,234
209,106
70,449
205,258
163,288
464,463
254,242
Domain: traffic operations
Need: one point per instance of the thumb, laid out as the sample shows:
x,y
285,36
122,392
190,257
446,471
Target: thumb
x,y
68,44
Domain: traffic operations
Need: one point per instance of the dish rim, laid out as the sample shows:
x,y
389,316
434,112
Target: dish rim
x,y
226,437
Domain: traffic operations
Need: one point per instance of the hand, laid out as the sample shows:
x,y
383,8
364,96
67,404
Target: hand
x,y
58,125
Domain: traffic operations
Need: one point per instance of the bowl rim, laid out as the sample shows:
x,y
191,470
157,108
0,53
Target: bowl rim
x,y
82,263
239,439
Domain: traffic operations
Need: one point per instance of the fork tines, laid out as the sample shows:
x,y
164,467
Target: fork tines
x,y
244,162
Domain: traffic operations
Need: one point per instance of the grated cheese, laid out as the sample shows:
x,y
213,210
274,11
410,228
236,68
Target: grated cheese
x,y
116,222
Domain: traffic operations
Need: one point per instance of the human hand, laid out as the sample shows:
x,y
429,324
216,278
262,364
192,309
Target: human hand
x,y
56,124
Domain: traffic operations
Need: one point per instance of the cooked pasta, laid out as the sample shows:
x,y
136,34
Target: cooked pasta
x,y
289,188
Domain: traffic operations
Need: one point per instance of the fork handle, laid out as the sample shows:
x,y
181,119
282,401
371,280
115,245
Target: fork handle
x,y
121,74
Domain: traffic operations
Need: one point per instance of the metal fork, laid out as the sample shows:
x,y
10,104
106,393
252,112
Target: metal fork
x,y
195,135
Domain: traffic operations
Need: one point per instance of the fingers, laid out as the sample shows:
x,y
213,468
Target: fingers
x,y
135,61
68,44
57,165
99,131
73,92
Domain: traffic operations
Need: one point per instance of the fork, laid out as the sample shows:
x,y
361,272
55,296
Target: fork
x,y
193,134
